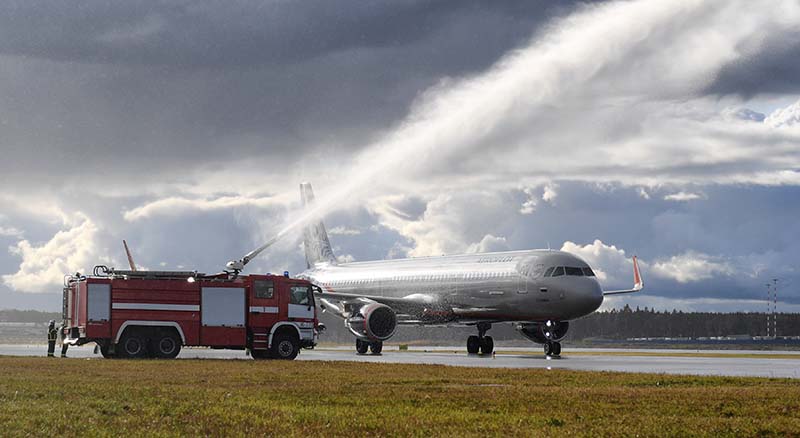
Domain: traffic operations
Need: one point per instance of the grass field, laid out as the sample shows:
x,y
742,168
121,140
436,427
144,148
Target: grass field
x,y
78,397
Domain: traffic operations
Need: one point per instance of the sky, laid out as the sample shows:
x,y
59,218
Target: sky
x,y
666,130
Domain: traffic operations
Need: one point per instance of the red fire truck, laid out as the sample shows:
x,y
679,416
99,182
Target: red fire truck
x,y
139,314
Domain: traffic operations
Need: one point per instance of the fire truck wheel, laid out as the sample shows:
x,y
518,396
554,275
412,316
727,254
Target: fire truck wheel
x,y
132,346
261,354
166,346
285,346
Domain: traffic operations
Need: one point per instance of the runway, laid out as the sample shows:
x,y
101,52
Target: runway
x,y
688,362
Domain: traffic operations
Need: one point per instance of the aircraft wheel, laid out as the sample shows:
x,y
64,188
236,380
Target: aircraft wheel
x,y
548,348
487,345
473,344
361,346
376,347
556,348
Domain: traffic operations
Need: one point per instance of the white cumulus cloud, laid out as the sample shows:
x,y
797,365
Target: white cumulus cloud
x,y
611,265
43,267
691,266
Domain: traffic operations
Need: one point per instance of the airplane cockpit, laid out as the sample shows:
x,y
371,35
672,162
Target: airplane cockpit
x,y
558,271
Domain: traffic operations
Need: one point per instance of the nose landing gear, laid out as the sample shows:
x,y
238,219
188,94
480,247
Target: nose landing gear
x,y
552,348
482,343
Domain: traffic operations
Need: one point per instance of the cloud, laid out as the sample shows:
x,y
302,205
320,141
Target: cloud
x,y
691,267
784,117
683,196
10,232
42,268
529,205
175,206
343,231
609,263
743,114
489,243
550,194
345,258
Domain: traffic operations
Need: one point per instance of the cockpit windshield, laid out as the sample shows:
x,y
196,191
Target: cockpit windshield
x,y
558,271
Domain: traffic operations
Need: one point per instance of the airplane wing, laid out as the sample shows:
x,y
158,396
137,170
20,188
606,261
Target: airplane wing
x,y
410,305
637,282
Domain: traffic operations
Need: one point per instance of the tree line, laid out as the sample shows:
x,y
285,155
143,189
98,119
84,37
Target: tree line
x,y
647,323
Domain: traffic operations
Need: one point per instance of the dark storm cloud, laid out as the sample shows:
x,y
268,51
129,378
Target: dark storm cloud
x,y
246,33
117,85
774,70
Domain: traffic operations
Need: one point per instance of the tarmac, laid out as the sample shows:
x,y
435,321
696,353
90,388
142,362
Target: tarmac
x,y
681,362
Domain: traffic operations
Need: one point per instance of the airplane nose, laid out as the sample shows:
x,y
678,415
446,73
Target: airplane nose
x,y
591,296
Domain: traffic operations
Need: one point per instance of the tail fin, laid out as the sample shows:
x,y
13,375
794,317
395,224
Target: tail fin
x,y
315,238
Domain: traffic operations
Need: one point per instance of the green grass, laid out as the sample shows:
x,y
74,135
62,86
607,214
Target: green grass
x,y
95,397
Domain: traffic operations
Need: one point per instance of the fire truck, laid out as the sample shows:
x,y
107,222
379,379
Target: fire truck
x,y
152,314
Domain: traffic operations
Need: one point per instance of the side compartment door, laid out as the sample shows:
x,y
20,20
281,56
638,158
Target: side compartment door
x,y
222,311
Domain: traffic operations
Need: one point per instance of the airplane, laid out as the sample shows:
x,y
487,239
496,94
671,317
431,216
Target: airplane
x,y
538,291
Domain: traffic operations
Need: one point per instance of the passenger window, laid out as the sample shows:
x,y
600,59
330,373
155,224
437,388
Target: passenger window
x,y
559,271
264,288
588,272
549,271
298,295
575,272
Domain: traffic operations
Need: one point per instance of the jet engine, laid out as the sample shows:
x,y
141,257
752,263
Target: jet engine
x,y
373,321
542,332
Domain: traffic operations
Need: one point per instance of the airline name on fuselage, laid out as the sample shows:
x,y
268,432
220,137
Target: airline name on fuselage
x,y
499,259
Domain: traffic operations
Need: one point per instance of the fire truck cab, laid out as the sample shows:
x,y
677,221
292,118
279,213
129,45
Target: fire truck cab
x,y
152,314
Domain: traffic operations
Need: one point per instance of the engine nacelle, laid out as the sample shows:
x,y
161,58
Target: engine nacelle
x,y
542,332
375,321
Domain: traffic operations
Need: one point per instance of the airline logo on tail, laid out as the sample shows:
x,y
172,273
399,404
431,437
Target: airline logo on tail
x,y
315,238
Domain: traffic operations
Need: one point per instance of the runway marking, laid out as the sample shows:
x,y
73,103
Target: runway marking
x,y
698,354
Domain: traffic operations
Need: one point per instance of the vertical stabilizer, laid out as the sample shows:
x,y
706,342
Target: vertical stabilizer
x,y
315,238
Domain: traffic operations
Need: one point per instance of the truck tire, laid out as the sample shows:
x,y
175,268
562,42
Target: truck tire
x,y
285,346
132,346
261,354
165,345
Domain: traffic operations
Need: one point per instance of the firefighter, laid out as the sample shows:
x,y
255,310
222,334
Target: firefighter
x,y
64,345
52,334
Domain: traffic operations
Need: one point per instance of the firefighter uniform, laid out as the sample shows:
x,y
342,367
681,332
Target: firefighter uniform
x,y
52,335
64,345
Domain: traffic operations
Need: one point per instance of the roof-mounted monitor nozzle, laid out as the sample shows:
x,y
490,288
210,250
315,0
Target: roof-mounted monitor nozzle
x,y
237,266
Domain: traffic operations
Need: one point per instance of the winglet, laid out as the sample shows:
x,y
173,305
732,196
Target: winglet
x,y
130,257
638,284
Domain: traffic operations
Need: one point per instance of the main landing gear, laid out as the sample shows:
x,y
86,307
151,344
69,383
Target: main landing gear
x,y
552,348
374,347
482,343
